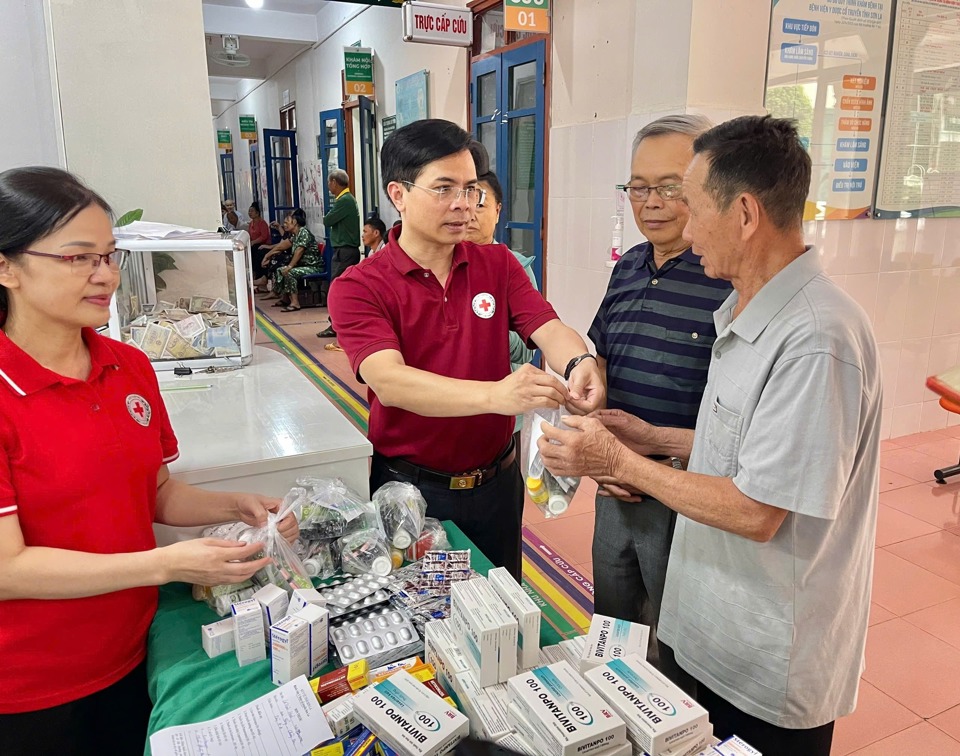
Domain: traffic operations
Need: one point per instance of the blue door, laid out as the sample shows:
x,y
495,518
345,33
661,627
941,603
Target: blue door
x,y
507,110
369,191
280,163
255,174
332,155
226,176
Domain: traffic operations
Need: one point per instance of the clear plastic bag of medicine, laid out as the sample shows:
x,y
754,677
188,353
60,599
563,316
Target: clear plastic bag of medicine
x,y
332,508
551,494
287,571
365,552
402,509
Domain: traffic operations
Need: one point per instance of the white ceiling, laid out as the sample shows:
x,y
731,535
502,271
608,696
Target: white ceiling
x,y
271,37
285,6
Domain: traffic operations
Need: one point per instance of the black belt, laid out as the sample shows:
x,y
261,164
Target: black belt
x,y
464,482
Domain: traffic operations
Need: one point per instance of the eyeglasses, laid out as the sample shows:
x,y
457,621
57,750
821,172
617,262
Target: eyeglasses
x,y
642,193
474,194
88,263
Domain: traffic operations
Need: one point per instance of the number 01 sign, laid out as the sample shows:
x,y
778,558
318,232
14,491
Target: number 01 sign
x,y
531,16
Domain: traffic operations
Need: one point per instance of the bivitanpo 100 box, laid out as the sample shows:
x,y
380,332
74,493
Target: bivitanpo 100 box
x,y
477,630
570,718
611,638
526,613
441,650
409,718
658,714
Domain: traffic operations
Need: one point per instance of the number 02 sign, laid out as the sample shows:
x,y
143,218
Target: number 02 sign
x,y
531,16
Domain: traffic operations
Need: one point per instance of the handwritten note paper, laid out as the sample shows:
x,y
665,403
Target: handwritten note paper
x,y
286,722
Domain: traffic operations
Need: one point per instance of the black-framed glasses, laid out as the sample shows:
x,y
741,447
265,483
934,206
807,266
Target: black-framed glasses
x,y
642,193
474,194
87,263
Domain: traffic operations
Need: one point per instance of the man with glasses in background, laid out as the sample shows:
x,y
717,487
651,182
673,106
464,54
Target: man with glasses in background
x,y
425,325
653,333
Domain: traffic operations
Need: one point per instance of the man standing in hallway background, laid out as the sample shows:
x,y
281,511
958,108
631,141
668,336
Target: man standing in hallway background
x,y
767,597
343,222
653,333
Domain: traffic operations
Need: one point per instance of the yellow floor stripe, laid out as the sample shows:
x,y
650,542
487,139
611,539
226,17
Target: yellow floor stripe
x,y
546,589
310,365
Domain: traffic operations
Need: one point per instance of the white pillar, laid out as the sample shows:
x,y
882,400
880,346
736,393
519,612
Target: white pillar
x,y
135,105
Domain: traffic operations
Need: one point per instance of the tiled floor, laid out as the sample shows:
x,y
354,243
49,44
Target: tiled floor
x,y
910,691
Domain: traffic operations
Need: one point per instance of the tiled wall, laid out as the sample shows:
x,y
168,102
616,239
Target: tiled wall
x,y
906,276
904,273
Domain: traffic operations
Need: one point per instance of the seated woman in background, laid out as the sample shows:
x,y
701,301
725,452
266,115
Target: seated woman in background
x,y
84,445
275,256
306,261
259,239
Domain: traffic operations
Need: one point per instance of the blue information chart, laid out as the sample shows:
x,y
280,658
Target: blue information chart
x,y
826,69
412,103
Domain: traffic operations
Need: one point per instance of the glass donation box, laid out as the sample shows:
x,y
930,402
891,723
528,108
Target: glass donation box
x,y
186,298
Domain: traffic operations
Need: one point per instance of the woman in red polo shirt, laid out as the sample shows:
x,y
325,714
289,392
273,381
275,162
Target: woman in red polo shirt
x,y
84,444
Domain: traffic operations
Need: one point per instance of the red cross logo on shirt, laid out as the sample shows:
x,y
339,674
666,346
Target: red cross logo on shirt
x,y
139,409
484,305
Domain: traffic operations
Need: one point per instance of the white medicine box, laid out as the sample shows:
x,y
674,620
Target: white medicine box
x,y
186,298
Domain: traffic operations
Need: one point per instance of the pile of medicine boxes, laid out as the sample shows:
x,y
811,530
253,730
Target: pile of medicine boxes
x,y
593,695
294,628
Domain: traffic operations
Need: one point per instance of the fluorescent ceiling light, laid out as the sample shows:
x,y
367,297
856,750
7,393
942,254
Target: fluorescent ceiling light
x,y
255,4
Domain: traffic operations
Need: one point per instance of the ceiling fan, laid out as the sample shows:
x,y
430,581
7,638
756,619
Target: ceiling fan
x,y
230,55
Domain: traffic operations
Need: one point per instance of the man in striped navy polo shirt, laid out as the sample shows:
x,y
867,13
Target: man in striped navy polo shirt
x,y
653,334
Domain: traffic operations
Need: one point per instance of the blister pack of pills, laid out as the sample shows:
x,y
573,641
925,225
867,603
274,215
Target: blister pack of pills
x,y
377,636
374,599
439,569
352,591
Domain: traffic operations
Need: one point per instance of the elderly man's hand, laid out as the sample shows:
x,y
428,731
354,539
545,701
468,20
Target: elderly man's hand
x,y
588,450
614,489
636,434
587,388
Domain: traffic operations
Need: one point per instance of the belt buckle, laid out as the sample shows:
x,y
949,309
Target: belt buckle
x,y
466,482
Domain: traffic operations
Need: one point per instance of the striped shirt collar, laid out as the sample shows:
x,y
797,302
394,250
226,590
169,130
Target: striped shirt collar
x,y
23,375
686,256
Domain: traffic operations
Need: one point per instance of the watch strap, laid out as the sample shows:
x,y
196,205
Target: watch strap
x,y
574,362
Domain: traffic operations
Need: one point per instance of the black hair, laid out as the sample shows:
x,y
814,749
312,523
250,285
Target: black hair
x,y
481,158
490,179
38,201
762,156
408,150
299,216
256,206
375,223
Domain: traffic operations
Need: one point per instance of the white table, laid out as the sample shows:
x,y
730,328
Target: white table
x,y
258,429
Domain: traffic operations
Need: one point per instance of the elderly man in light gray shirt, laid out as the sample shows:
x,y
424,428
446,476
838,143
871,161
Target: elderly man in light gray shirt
x,y
768,586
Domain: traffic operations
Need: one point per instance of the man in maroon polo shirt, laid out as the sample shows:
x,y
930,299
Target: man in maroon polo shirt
x,y
425,323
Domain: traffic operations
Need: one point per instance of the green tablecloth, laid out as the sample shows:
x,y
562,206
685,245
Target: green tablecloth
x,y
186,686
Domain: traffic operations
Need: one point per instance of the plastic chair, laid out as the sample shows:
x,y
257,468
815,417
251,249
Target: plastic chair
x,y
944,473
